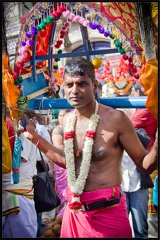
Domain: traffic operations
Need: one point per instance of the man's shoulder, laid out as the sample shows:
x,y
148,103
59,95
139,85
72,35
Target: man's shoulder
x,y
111,114
108,109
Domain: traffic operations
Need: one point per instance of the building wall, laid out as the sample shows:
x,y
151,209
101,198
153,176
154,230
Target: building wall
x,y
13,12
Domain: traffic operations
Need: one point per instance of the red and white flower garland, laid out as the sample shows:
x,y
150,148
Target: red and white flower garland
x,y
77,184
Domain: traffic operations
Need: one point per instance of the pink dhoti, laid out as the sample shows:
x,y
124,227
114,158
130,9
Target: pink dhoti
x,y
61,183
107,222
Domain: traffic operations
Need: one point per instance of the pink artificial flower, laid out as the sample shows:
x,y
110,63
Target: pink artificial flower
x,y
20,58
53,84
81,20
76,18
71,16
86,23
55,88
66,13
21,50
67,25
56,80
63,28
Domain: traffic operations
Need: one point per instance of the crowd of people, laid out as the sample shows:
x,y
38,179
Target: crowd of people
x,y
101,159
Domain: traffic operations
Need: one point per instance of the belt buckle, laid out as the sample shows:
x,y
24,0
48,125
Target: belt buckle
x,y
84,208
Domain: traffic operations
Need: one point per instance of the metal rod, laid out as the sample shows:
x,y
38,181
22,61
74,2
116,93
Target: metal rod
x,y
41,58
117,102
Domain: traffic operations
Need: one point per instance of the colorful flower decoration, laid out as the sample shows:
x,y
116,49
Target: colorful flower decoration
x,y
69,13
122,81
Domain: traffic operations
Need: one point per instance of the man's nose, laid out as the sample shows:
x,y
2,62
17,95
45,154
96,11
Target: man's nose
x,y
75,89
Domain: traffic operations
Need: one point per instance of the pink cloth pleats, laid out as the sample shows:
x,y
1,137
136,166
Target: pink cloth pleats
x,y
109,222
61,183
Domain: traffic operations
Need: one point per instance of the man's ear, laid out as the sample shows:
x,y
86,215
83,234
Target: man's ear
x,y
95,85
138,91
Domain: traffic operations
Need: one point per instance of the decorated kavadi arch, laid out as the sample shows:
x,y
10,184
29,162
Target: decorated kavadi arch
x,y
37,75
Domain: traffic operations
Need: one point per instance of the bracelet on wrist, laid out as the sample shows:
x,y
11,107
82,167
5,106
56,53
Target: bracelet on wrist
x,y
37,143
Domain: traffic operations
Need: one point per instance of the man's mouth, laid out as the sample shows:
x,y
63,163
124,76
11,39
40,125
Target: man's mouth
x,y
74,98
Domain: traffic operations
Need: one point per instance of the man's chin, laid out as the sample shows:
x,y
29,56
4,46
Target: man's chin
x,y
74,103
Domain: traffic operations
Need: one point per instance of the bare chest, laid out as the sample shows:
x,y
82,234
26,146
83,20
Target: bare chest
x,y
104,142
79,140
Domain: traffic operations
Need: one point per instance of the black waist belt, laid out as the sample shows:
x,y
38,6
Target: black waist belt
x,y
101,204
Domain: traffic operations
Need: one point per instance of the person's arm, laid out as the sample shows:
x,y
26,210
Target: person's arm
x,y
143,137
150,162
55,154
146,162
57,138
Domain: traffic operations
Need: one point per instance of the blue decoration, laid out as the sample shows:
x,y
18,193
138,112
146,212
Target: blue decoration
x,y
16,160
